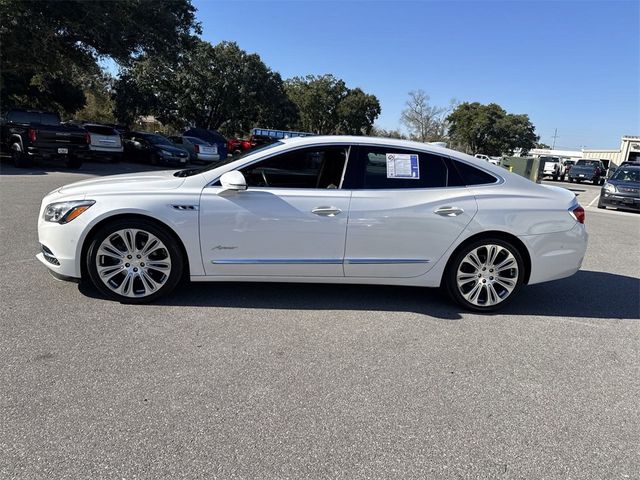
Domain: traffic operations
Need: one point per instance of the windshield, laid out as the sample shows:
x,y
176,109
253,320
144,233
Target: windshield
x,y
588,162
193,171
627,175
158,140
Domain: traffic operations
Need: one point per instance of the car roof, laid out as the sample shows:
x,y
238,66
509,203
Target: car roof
x,y
362,140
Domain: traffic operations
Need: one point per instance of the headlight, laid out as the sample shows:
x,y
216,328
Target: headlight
x,y
64,212
610,188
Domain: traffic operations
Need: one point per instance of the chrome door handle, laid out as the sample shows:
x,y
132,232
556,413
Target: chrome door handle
x,y
326,211
448,211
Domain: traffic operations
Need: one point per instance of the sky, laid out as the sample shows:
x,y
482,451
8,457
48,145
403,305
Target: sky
x,y
573,66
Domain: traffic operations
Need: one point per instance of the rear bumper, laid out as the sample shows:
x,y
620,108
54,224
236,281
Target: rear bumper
x,y
56,151
556,255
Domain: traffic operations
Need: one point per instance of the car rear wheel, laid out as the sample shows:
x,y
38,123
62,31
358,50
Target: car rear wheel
x,y
19,158
485,275
134,261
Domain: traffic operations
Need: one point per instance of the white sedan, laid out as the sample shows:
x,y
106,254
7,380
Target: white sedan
x,y
317,209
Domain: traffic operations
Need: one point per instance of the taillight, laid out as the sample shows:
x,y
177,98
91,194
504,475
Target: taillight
x,y
87,138
578,213
33,134
196,148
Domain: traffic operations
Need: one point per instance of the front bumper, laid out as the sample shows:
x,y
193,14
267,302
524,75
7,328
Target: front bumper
x,y
59,245
619,200
556,255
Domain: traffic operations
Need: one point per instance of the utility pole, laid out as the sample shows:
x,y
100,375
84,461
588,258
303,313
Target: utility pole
x,y
555,135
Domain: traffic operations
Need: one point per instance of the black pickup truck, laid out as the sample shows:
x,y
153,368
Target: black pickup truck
x,y
30,134
587,169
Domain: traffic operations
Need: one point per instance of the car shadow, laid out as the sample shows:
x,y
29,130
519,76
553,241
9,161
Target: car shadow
x,y
95,168
587,294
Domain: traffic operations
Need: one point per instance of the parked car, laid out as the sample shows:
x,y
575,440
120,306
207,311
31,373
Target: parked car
x,y
416,214
32,134
236,146
487,158
153,148
552,167
199,150
210,136
567,166
104,142
622,190
588,170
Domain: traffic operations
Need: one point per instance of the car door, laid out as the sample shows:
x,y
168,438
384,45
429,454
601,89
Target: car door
x,y
408,210
291,220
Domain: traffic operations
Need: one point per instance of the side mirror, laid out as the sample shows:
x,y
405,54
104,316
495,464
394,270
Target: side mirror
x,y
233,181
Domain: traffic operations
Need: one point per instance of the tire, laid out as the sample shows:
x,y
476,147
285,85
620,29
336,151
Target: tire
x,y
601,181
20,160
475,292
116,270
570,180
601,205
73,162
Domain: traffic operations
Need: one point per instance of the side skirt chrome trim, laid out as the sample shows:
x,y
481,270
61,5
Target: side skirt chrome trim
x,y
278,261
319,261
384,261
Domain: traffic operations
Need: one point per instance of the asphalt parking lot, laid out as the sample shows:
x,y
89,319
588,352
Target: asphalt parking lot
x,y
316,381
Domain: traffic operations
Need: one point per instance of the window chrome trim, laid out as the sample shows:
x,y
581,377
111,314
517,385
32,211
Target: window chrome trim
x,y
290,150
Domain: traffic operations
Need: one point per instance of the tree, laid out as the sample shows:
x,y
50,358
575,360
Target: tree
x,y
426,123
49,47
327,106
99,105
356,112
490,130
381,132
219,87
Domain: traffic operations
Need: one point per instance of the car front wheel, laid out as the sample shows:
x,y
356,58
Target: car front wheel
x,y
485,275
134,261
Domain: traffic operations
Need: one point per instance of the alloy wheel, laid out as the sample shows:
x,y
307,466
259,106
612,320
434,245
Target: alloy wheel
x,y
133,263
487,275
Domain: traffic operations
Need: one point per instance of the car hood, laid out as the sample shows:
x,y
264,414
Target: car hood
x,y
633,186
135,182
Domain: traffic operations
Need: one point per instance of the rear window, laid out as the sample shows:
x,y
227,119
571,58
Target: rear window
x,y
100,130
392,167
33,117
197,141
472,175
588,162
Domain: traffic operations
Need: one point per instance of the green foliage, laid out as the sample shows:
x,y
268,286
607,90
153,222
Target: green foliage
x,y
327,106
490,130
381,132
219,87
99,106
49,47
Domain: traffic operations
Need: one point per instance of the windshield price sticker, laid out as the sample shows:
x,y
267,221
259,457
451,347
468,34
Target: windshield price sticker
x,y
402,165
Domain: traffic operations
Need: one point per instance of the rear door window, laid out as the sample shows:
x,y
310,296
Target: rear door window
x,y
391,167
